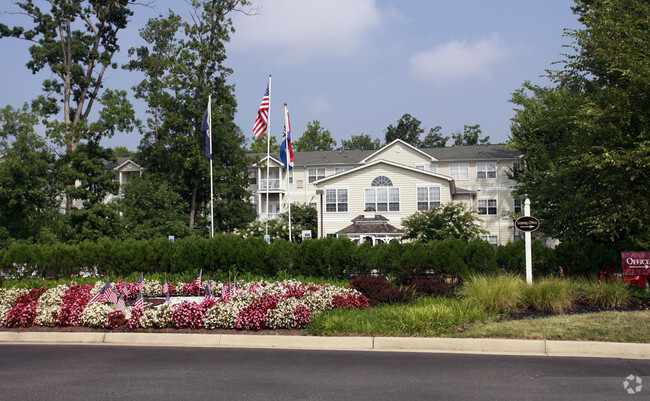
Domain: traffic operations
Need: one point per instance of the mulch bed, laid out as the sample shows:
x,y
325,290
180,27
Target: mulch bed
x,y
580,308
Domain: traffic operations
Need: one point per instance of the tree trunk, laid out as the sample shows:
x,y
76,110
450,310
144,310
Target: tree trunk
x,y
193,206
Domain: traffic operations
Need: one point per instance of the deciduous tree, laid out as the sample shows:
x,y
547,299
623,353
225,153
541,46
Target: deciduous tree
x,y
76,41
442,222
183,63
586,141
361,142
314,138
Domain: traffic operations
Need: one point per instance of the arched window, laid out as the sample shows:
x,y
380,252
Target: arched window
x,y
382,199
382,181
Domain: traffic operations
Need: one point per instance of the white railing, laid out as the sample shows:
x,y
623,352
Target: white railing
x,y
273,183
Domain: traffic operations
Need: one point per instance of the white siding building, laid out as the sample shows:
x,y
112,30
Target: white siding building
x,y
396,181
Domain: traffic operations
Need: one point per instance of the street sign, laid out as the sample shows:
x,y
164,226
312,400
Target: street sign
x,y
527,223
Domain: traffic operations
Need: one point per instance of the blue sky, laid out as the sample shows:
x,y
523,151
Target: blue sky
x,y
358,65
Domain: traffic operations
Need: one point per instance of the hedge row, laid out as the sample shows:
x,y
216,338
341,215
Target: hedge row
x,y
327,257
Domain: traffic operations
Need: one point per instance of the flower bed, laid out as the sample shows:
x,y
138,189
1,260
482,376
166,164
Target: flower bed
x,y
258,305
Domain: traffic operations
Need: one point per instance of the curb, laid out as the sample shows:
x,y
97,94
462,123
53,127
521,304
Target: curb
x,y
496,346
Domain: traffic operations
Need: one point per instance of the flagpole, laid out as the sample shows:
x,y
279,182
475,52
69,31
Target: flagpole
x,y
288,170
211,173
268,159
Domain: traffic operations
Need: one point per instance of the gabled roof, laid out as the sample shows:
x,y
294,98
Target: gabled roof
x,y
390,163
270,157
353,157
121,162
401,143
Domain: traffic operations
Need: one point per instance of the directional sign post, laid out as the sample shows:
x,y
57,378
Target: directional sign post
x,y
529,252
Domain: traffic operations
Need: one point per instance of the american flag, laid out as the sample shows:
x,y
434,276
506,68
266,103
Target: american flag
x,y
168,299
208,293
101,294
112,296
139,303
126,289
120,304
165,287
262,120
197,281
140,281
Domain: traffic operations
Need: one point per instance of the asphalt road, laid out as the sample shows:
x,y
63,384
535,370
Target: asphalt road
x,y
85,372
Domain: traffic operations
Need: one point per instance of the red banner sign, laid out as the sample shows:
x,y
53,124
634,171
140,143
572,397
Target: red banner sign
x,y
636,263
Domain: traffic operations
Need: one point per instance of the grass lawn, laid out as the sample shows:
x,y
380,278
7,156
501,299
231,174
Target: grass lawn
x,y
633,326
427,317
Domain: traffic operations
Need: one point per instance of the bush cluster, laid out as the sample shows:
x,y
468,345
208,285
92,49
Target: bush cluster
x,y
327,257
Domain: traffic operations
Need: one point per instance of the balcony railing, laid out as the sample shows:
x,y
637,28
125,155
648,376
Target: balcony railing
x,y
270,184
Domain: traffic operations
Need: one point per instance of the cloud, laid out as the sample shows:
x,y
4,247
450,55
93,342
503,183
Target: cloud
x,y
459,60
294,30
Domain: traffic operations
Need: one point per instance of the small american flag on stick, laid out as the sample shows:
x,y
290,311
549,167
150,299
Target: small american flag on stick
x,y
165,287
120,304
197,281
101,294
112,295
139,303
208,293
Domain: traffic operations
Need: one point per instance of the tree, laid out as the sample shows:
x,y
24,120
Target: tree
x,y
76,41
122,151
434,138
303,217
151,209
470,136
442,222
314,138
361,142
28,183
183,63
408,129
259,145
586,141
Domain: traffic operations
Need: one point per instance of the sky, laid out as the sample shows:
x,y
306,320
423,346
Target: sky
x,y
357,66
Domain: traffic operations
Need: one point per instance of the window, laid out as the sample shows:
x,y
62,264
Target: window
x,y
381,181
300,183
516,166
486,171
459,171
336,200
487,206
316,174
252,177
382,197
314,205
492,239
517,206
291,176
433,168
428,197
422,166
341,169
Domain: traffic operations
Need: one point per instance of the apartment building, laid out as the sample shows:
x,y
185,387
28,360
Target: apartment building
x,y
365,195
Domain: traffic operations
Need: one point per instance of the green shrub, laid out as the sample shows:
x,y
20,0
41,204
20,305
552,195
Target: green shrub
x,y
450,255
494,294
480,257
585,258
550,294
606,293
